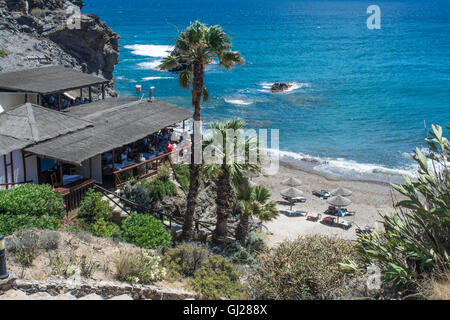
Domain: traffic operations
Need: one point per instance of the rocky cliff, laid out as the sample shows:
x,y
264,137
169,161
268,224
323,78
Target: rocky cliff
x,y
36,33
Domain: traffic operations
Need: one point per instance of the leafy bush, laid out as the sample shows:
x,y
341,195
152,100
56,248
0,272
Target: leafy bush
x,y
217,279
146,193
32,200
159,189
3,53
182,171
138,193
307,268
142,268
184,260
12,223
102,228
255,244
416,239
145,231
93,207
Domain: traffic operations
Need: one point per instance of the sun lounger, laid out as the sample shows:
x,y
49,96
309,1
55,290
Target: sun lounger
x,y
328,220
295,213
313,216
345,224
294,200
323,194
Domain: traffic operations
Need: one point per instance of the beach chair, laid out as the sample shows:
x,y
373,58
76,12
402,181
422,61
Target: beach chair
x,y
294,200
295,213
328,220
323,194
345,224
313,216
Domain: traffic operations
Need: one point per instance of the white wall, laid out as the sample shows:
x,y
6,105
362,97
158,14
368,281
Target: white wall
x,y
19,174
10,99
30,163
96,169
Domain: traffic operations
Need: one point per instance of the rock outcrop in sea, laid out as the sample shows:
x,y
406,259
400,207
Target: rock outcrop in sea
x,y
36,33
279,87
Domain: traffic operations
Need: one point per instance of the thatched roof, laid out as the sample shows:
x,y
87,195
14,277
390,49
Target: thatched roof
x,y
29,124
117,122
47,80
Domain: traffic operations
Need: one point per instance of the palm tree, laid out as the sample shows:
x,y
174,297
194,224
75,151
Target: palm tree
x,y
228,173
253,202
199,46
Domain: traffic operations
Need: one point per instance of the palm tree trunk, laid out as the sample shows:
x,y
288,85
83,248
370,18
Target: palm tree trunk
x,y
195,148
223,204
242,228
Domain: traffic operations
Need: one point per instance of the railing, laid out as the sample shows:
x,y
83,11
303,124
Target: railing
x,y
139,170
12,184
73,196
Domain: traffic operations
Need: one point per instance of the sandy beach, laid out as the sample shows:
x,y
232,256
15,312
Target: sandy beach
x,y
369,200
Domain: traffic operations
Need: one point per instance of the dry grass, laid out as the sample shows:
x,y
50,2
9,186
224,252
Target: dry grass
x,y
439,289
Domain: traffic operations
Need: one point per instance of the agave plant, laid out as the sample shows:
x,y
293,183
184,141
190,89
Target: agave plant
x,y
416,238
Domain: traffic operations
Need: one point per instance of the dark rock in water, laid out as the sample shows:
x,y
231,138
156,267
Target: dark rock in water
x,y
279,87
36,33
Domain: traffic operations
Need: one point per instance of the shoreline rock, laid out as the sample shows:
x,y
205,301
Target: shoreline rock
x,y
280,87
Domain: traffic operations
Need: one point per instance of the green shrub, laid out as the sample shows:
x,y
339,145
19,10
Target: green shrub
x,y
3,53
184,260
217,279
415,243
32,200
12,223
138,193
102,228
307,268
94,208
159,189
255,244
143,268
145,231
182,171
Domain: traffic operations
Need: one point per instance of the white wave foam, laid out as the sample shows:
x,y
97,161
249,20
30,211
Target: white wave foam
x,y
124,79
266,86
150,65
156,78
348,168
150,50
238,101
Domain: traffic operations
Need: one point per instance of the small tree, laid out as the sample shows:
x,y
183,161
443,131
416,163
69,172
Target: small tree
x,y
254,201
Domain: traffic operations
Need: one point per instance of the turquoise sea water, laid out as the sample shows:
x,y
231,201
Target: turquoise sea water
x,y
360,96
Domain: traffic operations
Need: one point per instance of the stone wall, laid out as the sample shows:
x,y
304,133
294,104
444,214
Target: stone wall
x,y
80,289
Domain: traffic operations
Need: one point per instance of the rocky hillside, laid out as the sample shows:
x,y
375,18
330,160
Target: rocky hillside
x,y
36,33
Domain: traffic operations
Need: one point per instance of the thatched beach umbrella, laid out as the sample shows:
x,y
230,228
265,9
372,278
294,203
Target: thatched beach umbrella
x,y
291,193
292,182
339,202
341,192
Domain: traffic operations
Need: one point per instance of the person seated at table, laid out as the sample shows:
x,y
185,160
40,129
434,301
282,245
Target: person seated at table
x,y
124,155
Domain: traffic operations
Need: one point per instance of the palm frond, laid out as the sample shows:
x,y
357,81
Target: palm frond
x,y
205,95
185,78
168,63
231,58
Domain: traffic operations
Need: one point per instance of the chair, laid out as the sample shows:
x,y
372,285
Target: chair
x,y
54,180
74,171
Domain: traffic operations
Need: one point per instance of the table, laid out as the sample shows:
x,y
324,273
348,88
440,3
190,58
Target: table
x,y
67,179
